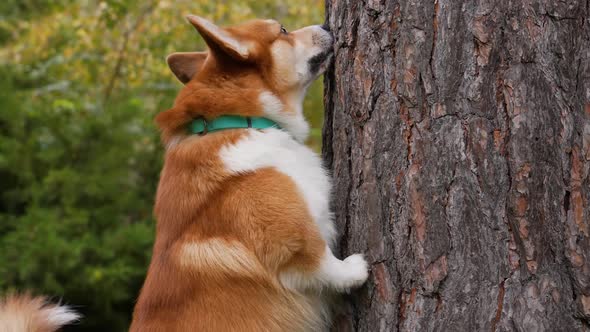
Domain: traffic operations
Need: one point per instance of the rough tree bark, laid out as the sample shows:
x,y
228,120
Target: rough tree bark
x,y
458,134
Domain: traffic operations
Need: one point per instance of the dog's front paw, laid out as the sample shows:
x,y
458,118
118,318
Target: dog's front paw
x,y
357,271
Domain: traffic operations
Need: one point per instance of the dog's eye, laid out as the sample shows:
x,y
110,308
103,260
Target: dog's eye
x,y
284,30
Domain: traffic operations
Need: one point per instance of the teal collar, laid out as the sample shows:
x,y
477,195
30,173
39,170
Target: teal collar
x,y
201,126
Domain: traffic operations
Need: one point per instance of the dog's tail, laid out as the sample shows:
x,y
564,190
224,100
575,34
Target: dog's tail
x,y
26,313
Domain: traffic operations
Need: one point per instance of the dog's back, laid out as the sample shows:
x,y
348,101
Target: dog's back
x,y
218,243
25,313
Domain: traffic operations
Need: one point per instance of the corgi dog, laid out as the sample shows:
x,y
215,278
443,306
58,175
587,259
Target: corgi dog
x,y
25,313
244,231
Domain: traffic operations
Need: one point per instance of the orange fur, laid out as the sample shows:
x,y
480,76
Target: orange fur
x,y
260,213
223,86
222,239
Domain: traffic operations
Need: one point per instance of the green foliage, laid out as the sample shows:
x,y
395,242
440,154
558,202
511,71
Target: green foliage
x,y
80,83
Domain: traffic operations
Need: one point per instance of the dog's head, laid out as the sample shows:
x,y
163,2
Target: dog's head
x,y
254,69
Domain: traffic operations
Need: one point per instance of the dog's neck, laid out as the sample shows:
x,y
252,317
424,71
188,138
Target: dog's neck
x,y
288,114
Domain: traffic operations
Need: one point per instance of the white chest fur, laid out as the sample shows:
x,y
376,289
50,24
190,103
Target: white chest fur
x,y
276,148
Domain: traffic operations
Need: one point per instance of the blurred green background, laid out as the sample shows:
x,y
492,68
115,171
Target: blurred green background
x,y
80,83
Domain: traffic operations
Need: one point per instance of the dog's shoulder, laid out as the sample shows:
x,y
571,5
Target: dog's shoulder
x,y
277,150
271,148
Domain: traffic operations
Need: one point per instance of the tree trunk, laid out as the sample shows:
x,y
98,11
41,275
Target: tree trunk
x,y
458,134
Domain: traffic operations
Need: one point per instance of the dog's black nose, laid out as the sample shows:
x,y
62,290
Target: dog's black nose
x,y
326,27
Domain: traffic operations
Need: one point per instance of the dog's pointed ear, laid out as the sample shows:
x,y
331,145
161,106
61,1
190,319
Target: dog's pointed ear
x,y
185,65
219,39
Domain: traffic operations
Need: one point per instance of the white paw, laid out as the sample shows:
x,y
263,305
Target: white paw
x,y
356,271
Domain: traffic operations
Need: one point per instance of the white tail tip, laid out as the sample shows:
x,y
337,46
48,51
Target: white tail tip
x,y
25,313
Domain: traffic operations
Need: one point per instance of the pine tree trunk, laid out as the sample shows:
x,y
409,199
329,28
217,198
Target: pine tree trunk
x,y
458,134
